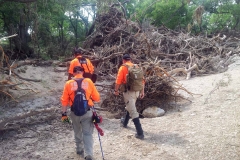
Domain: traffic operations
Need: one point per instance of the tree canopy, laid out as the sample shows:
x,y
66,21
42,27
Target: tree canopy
x,y
50,29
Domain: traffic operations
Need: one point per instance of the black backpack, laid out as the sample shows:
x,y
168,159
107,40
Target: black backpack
x,y
93,76
80,103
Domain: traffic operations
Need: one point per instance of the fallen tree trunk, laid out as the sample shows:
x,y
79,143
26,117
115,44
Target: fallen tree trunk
x,y
26,79
4,122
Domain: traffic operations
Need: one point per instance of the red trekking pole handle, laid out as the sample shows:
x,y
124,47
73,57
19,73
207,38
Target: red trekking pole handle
x,y
100,131
99,120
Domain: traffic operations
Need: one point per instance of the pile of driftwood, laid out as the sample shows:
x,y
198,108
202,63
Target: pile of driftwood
x,y
163,54
161,47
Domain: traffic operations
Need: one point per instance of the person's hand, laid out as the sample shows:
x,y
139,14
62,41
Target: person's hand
x,y
65,117
116,92
141,95
96,118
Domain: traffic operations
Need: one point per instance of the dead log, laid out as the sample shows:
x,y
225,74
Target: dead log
x,y
190,70
34,62
177,70
4,122
26,79
59,70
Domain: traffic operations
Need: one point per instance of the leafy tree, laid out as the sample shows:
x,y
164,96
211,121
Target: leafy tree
x,y
220,14
45,28
52,28
16,19
171,13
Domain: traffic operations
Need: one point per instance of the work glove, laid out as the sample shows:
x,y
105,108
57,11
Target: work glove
x,y
65,117
96,118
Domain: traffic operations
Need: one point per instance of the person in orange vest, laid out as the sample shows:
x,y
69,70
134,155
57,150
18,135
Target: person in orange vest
x,y
82,125
79,60
130,97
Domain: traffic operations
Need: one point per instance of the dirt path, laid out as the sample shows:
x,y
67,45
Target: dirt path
x,y
208,128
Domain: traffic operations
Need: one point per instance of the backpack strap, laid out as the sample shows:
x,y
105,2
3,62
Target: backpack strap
x,y
80,89
81,59
125,65
79,83
134,65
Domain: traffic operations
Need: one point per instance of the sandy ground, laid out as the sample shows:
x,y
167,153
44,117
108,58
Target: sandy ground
x,y
206,129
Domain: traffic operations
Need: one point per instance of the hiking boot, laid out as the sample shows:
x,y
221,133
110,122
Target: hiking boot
x,y
122,123
80,153
88,158
125,119
138,127
139,136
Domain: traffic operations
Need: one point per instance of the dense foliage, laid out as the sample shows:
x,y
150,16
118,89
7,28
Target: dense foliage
x,y
50,29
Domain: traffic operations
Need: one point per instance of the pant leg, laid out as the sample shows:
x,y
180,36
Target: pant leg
x,y
77,128
130,98
125,119
87,130
138,126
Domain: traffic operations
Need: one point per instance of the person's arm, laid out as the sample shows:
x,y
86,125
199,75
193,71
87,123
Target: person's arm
x,y
119,80
117,87
95,96
142,92
70,70
64,109
90,66
116,90
65,97
64,101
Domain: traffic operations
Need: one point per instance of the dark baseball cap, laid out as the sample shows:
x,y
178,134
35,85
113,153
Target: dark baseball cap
x,y
77,68
77,50
126,57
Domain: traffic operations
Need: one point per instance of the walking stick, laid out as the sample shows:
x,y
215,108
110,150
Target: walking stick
x,y
100,145
100,131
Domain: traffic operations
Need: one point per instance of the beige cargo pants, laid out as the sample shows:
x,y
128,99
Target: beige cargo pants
x,y
83,132
130,98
